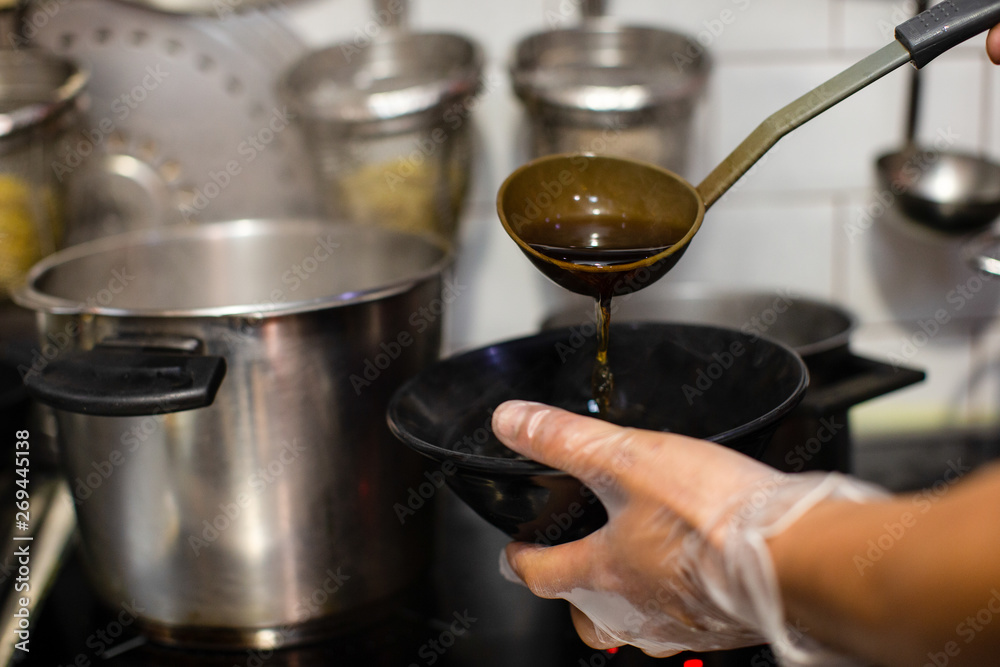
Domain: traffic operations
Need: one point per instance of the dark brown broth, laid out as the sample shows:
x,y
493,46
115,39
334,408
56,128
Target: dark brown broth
x,y
602,242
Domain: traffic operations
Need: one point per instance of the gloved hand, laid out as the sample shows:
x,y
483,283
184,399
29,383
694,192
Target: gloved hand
x,y
683,562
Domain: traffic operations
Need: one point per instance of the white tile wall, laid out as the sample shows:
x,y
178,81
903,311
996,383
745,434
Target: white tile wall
x,y
752,24
794,222
813,158
867,24
758,243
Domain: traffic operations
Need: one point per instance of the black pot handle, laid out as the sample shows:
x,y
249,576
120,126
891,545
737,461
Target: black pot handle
x,y
861,379
119,378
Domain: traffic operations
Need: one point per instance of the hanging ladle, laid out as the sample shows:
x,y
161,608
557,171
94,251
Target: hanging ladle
x,y
945,190
635,220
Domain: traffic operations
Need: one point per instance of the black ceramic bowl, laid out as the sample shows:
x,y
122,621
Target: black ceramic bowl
x,y
707,382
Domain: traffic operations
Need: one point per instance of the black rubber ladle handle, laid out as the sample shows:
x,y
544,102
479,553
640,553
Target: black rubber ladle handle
x,y
929,34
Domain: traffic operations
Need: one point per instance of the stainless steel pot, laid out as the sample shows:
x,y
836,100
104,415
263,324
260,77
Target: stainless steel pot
x,y
816,435
625,91
389,125
220,393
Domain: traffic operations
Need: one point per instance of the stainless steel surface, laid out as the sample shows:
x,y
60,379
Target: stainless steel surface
x,y
397,82
390,128
947,191
184,123
392,13
40,100
267,518
53,525
610,89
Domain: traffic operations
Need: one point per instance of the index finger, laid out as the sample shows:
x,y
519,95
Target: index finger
x,y
584,447
692,477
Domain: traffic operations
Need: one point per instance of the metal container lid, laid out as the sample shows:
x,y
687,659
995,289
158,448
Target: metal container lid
x,y
398,75
36,88
603,67
255,268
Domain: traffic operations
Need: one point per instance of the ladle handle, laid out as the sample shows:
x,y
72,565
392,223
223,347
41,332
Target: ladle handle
x,y
913,113
946,24
928,34
796,114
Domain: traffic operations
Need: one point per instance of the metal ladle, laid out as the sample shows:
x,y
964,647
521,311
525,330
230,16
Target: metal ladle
x,y
947,191
571,188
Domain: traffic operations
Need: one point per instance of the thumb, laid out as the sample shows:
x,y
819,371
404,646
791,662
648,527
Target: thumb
x,y
993,44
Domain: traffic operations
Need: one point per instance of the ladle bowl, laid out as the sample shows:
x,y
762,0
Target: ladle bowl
x,y
949,192
707,382
541,201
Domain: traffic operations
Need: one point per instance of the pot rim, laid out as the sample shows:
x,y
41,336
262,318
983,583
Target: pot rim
x,y
28,296
841,339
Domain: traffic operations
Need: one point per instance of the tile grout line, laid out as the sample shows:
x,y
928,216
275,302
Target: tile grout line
x,y
837,35
986,106
839,252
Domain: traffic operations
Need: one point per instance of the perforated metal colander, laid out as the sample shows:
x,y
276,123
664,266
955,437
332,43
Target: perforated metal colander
x,y
183,123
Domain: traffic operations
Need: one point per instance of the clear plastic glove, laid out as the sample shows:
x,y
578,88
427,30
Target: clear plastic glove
x,y
683,562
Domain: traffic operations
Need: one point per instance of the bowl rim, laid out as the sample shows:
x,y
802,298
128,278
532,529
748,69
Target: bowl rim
x,y
519,467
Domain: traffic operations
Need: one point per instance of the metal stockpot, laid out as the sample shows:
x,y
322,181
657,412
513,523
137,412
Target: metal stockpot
x,y
816,435
624,91
389,125
220,392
